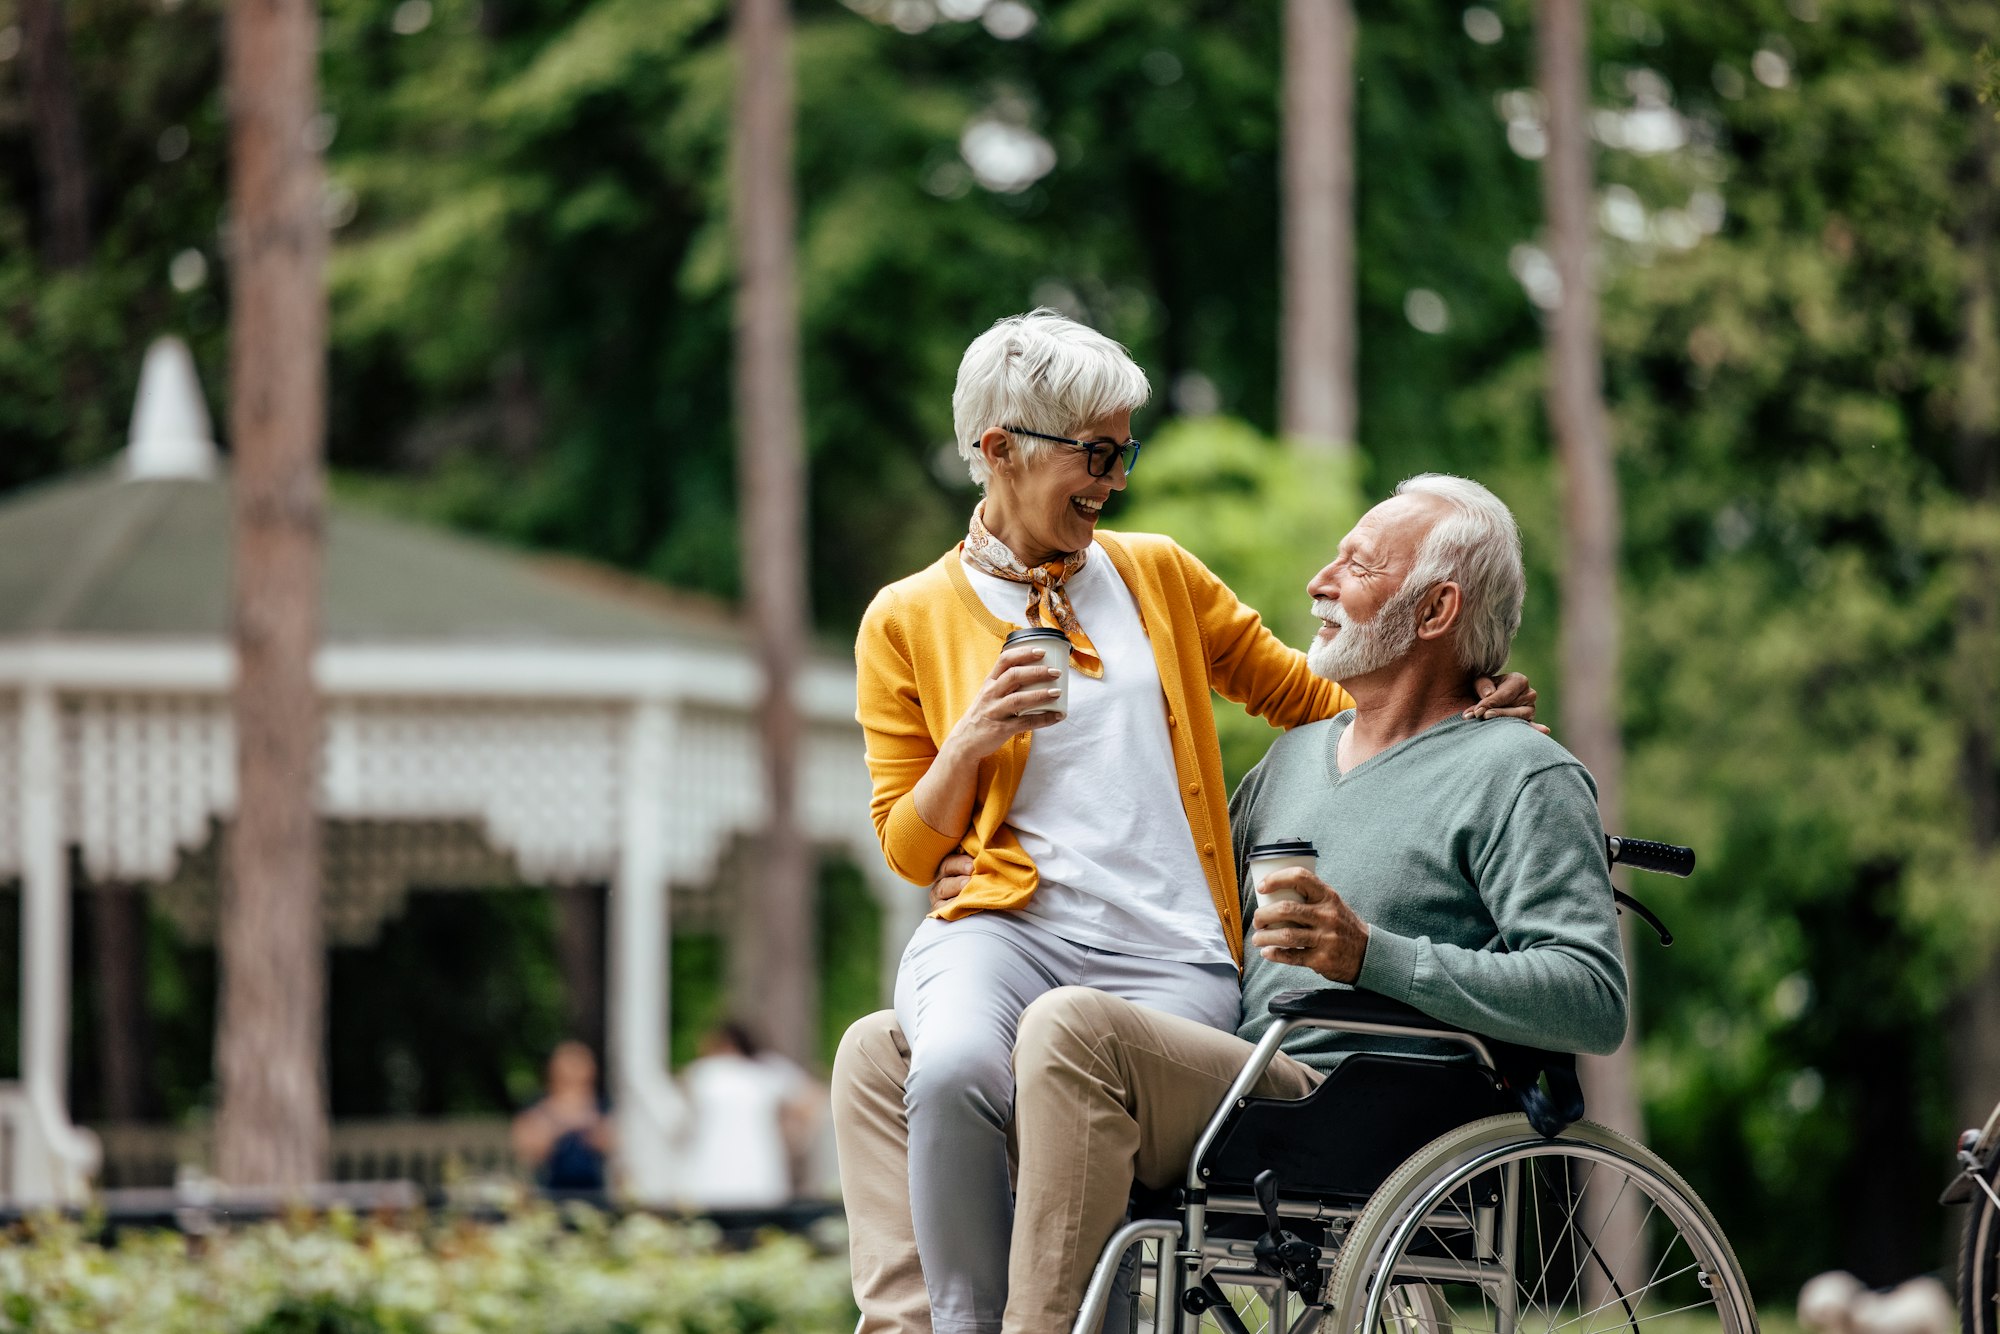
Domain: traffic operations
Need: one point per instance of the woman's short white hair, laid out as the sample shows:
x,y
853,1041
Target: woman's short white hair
x,y
1042,371
1476,545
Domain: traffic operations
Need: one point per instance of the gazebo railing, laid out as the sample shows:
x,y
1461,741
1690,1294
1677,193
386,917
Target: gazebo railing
x,y
429,1152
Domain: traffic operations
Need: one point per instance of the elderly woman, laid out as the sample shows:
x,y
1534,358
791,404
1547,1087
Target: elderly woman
x,y
1098,839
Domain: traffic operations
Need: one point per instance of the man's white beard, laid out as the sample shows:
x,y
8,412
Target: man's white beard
x,y
1366,646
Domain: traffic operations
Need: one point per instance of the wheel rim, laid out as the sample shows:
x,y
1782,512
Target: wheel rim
x,y
1981,1264
1562,1270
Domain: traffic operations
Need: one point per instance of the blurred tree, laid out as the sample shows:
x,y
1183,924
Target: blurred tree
x,y
1786,395
1317,338
58,133
1976,472
772,985
1589,484
271,1013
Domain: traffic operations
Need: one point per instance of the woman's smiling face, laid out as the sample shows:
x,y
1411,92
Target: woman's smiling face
x,y
1045,505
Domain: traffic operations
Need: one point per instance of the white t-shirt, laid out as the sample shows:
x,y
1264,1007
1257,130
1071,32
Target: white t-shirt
x,y
1099,807
734,1155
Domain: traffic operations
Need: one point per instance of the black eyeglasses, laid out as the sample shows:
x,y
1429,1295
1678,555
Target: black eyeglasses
x,y
1100,453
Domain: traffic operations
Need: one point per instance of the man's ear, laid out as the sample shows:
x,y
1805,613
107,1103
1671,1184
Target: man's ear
x,y
1440,611
997,446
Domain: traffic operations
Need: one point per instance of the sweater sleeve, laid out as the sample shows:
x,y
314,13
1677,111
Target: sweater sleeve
x,y
1242,819
900,748
1250,665
1554,976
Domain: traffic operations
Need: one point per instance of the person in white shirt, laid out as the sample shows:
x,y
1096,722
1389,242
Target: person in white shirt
x,y
742,1106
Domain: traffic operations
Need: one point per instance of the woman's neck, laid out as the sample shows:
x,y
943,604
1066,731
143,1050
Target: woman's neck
x,y
1012,536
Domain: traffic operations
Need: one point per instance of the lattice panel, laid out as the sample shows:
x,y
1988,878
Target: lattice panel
x,y
544,777
836,788
716,790
142,775
368,867
715,787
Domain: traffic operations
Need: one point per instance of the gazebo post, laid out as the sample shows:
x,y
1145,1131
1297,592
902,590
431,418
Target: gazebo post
x,y
55,1165
647,1107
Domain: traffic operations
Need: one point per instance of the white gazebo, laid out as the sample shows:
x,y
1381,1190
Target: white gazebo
x,y
585,726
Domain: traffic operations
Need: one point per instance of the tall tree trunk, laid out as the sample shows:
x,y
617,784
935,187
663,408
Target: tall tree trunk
x,y
1318,407
772,981
1589,647
1975,1022
580,960
271,1127
117,929
58,133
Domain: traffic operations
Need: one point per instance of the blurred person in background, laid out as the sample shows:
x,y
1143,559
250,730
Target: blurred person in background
x,y
566,1138
751,1113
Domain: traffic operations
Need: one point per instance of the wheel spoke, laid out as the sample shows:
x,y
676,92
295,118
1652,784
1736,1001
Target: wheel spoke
x,y
1568,1272
1638,1292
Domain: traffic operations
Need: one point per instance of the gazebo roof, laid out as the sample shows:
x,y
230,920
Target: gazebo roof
x,y
142,548
110,554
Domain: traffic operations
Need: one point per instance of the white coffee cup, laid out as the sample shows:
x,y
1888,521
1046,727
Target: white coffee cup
x,y
1267,858
1054,645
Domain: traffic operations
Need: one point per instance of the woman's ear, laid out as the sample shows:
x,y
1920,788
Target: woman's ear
x,y
997,446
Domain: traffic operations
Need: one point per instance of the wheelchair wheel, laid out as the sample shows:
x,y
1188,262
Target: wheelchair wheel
x,y
1491,1222
1979,1262
1415,1308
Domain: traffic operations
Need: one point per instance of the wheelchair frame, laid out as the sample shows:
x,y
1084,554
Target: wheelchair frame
x,y
1191,1261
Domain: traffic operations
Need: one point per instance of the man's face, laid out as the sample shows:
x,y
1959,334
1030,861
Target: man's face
x,y
1366,621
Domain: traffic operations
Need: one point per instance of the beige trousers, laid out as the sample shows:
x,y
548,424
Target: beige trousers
x,y
1106,1093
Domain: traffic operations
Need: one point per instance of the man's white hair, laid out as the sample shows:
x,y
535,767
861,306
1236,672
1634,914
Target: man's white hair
x,y
1042,371
1476,545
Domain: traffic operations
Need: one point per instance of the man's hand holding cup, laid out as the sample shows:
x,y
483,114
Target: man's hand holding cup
x,y
1316,929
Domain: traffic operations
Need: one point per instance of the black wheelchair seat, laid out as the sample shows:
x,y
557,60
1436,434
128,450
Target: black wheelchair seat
x,y
1344,1138
1375,1109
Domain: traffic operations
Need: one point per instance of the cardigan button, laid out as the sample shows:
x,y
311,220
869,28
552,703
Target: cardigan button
x,y
1194,789
1208,849
1173,721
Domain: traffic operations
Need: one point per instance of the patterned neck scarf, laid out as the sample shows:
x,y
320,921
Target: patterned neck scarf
x,y
1048,605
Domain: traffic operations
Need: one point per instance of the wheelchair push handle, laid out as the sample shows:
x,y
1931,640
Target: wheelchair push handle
x,y
1666,858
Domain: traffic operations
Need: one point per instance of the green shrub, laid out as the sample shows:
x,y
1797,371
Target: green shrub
x,y
539,1272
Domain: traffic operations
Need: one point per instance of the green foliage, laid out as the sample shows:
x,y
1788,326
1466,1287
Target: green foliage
x,y
538,1272
1789,406
1263,516
849,937
531,337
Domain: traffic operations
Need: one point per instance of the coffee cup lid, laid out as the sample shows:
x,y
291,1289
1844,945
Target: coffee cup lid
x,y
1036,632
1286,847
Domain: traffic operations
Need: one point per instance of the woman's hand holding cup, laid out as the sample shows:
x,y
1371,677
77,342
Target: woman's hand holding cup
x,y
1021,684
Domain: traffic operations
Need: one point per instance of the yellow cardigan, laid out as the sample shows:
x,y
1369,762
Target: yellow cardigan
x,y
927,644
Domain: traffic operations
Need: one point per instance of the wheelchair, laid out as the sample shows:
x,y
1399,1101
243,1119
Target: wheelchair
x,y
1412,1195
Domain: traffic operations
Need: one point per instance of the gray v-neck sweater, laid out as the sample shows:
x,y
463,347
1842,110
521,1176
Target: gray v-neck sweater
x,y
1474,852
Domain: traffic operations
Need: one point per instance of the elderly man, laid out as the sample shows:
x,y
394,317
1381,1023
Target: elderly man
x,y
1464,873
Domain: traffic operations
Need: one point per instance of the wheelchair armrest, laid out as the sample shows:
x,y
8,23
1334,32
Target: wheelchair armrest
x,y
1520,1068
1366,1007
